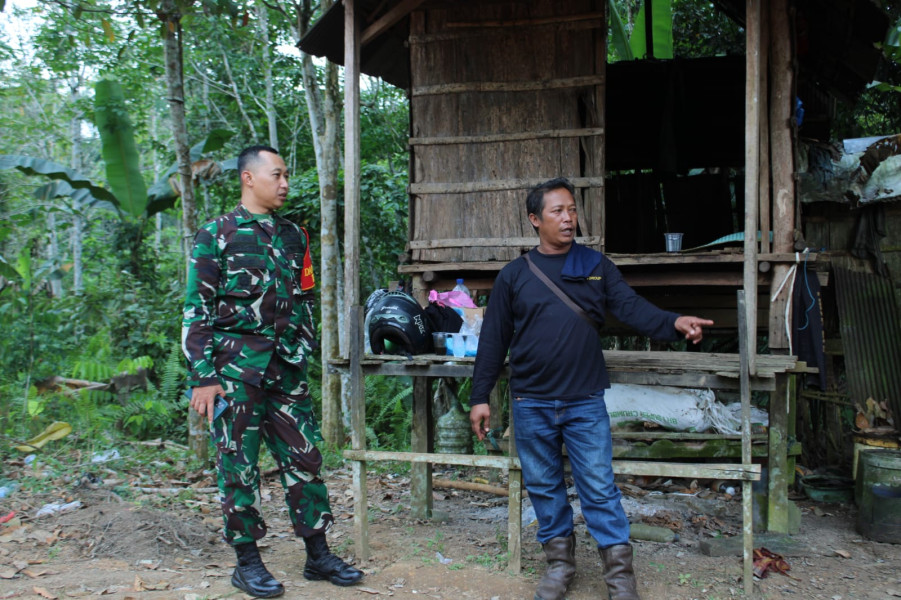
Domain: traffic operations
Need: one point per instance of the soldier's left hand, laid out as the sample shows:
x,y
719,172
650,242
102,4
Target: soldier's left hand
x,y
203,399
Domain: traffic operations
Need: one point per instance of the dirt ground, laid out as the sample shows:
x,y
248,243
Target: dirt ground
x,y
119,549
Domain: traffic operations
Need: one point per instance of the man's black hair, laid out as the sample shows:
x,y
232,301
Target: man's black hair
x,y
535,199
249,156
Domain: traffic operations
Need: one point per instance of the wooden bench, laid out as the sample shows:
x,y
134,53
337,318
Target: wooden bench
x,y
688,369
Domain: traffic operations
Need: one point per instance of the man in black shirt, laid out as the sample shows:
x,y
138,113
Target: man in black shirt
x,y
558,378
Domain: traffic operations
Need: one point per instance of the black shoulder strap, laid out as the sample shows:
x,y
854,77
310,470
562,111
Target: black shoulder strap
x,y
561,294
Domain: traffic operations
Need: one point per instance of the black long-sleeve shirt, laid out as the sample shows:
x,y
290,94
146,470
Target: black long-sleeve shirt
x,y
554,353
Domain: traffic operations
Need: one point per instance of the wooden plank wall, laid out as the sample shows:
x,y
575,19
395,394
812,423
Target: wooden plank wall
x,y
485,74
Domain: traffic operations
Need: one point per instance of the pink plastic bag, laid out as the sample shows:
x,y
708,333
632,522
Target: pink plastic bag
x,y
452,299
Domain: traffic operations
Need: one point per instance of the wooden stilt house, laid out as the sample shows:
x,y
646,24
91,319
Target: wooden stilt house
x,y
505,94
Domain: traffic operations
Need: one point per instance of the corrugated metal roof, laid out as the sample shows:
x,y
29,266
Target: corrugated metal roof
x,y
871,336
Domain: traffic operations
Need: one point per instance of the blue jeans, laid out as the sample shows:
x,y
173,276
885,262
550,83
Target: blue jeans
x,y
541,428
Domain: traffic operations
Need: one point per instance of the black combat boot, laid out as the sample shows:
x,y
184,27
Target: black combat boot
x,y
322,564
251,574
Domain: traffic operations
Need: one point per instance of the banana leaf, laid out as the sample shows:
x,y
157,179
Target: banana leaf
x,y
82,197
661,28
120,154
619,37
7,270
30,165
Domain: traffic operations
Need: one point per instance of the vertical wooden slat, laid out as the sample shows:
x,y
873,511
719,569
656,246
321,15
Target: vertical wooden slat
x,y
747,503
752,164
354,313
421,473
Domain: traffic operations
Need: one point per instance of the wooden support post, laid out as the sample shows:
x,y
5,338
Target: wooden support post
x,y
514,521
752,164
514,510
354,313
781,108
358,433
422,441
764,175
777,457
496,406
351,158
747,503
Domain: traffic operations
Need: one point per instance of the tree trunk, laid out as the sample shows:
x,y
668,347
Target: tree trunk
x,y
238,100
77,241
77,219
324,109
56,285
263,14
158,217
172,51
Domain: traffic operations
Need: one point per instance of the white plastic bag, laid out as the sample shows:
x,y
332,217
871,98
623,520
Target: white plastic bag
x,y
677,409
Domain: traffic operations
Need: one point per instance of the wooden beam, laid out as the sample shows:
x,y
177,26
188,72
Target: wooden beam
x,y
388,20
491,138
621,260
496,185
752,168
539,85
527,242
594,16
735,471
467,33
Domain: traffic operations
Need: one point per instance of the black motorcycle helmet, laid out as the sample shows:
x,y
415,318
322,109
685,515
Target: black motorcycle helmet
x,y
396,317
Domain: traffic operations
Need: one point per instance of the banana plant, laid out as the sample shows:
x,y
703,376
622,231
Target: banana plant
x,y
661,30
635,46
129,195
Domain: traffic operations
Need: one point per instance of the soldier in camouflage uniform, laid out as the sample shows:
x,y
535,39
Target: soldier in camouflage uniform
x,y
247,334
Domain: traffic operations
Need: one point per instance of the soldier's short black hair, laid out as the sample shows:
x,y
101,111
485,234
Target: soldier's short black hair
x,y
249,156
535,199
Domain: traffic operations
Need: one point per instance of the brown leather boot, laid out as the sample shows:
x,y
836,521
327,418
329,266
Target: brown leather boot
x,y
618,573
561,568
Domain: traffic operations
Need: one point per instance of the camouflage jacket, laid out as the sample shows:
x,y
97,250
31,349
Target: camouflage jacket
x,y
249,297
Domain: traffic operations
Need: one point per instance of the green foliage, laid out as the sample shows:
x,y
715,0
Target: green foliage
x,y
661,31
120,155
52,170
619,38
389,412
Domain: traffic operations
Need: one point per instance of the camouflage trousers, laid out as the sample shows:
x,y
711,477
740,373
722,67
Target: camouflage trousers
x,y
280,413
